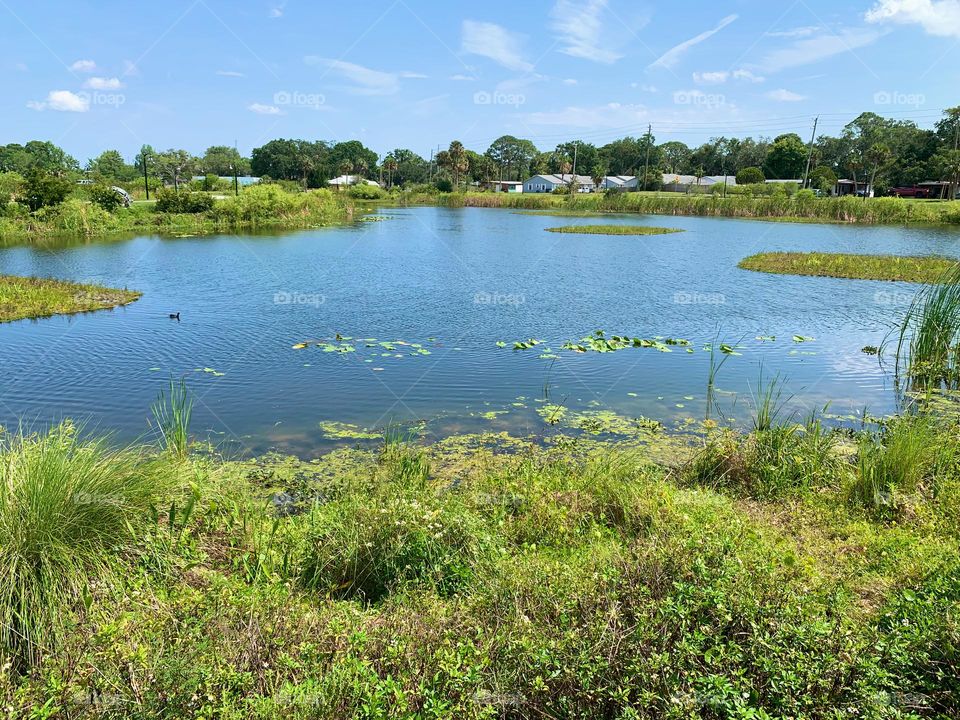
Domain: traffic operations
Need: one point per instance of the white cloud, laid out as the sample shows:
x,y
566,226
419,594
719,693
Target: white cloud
x,y
365,81
805,31
815,49
230,73
459,77
84,66
937,17
783,95
413,75
743,74
61,101
497,43
672,56
261,109
580,28
99,83
711,78
570,81
644,88
276,11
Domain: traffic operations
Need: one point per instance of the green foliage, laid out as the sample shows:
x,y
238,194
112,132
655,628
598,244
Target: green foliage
x,y
73,216
750,176
184,201
362,191
924,269
171,413
41,189
787,157
928,347
444,185
68,509
105,197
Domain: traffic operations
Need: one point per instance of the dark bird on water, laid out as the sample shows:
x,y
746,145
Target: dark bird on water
x,y
174,316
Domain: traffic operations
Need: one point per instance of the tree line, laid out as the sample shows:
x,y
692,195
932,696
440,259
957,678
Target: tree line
x,y
886,152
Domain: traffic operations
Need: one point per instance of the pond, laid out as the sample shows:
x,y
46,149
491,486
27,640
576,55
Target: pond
x,y
422,299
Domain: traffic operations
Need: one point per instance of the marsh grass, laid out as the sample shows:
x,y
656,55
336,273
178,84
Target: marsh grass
x,y
68,510
612,230
31,297
172,411
928,342
842,265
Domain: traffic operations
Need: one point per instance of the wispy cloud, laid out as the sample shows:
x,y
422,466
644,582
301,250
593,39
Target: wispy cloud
x,y
815,49
99,83
276,11
937,17
363,80
230,73
672,56
711,78
261,109
460,77
84,66
805,31
580,29
61,101
744,74
492,41
783,95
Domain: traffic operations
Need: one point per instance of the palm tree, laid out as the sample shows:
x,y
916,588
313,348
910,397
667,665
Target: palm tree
x,y
459,161
390,165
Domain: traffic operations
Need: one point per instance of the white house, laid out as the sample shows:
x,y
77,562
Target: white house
x,y
348,180
684,183
620,182
549,183
507,186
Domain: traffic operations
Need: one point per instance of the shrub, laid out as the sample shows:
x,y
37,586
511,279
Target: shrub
x,y
171,201
74,216
444,185
750,176
68,510
105,197
41,189
362,191
11,185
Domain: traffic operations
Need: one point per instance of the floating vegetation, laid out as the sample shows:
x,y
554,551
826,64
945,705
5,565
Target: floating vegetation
x,y
552,414
802,339
347,431
870,350
859,267
613,230
343,345
607,422
373,218
209,371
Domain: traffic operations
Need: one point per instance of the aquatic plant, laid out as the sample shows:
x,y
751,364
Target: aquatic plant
x,y
612,230
845,265
928,343
172,411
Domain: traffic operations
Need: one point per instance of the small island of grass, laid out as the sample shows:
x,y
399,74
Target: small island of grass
x,y
28,297
612,230
860,267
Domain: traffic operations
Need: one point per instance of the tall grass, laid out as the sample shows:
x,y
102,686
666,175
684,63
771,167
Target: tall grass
x,y
68,509
928,346
172,411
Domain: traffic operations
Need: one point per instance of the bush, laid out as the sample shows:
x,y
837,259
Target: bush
x,y
105,197
750,176
171,201
69,509
74,216
444,185
362,191
11,184
42,189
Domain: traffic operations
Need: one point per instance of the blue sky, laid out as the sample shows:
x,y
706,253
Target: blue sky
x,y
417,74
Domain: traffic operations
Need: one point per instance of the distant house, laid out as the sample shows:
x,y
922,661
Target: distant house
x,y
549,183
797,182
849,187
620,182
349,180
507,186
687,183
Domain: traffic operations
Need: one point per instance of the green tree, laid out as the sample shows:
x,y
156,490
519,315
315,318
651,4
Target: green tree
x,y
676,156
110,165
513,156
222,160
823,178
411,168
787,158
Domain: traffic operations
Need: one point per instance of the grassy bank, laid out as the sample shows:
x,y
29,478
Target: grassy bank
x,y
28,297
266,206
612,230
845,209
790,572
843,265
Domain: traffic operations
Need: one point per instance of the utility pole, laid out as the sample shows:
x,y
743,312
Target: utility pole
x,y
813,136
646,162
146,185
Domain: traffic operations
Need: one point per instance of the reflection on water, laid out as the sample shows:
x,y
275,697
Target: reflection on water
x,y
424,298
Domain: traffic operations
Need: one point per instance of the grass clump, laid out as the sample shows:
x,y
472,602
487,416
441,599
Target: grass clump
x,y
844,265
30,297
928,346
69,509
612,230
171,413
